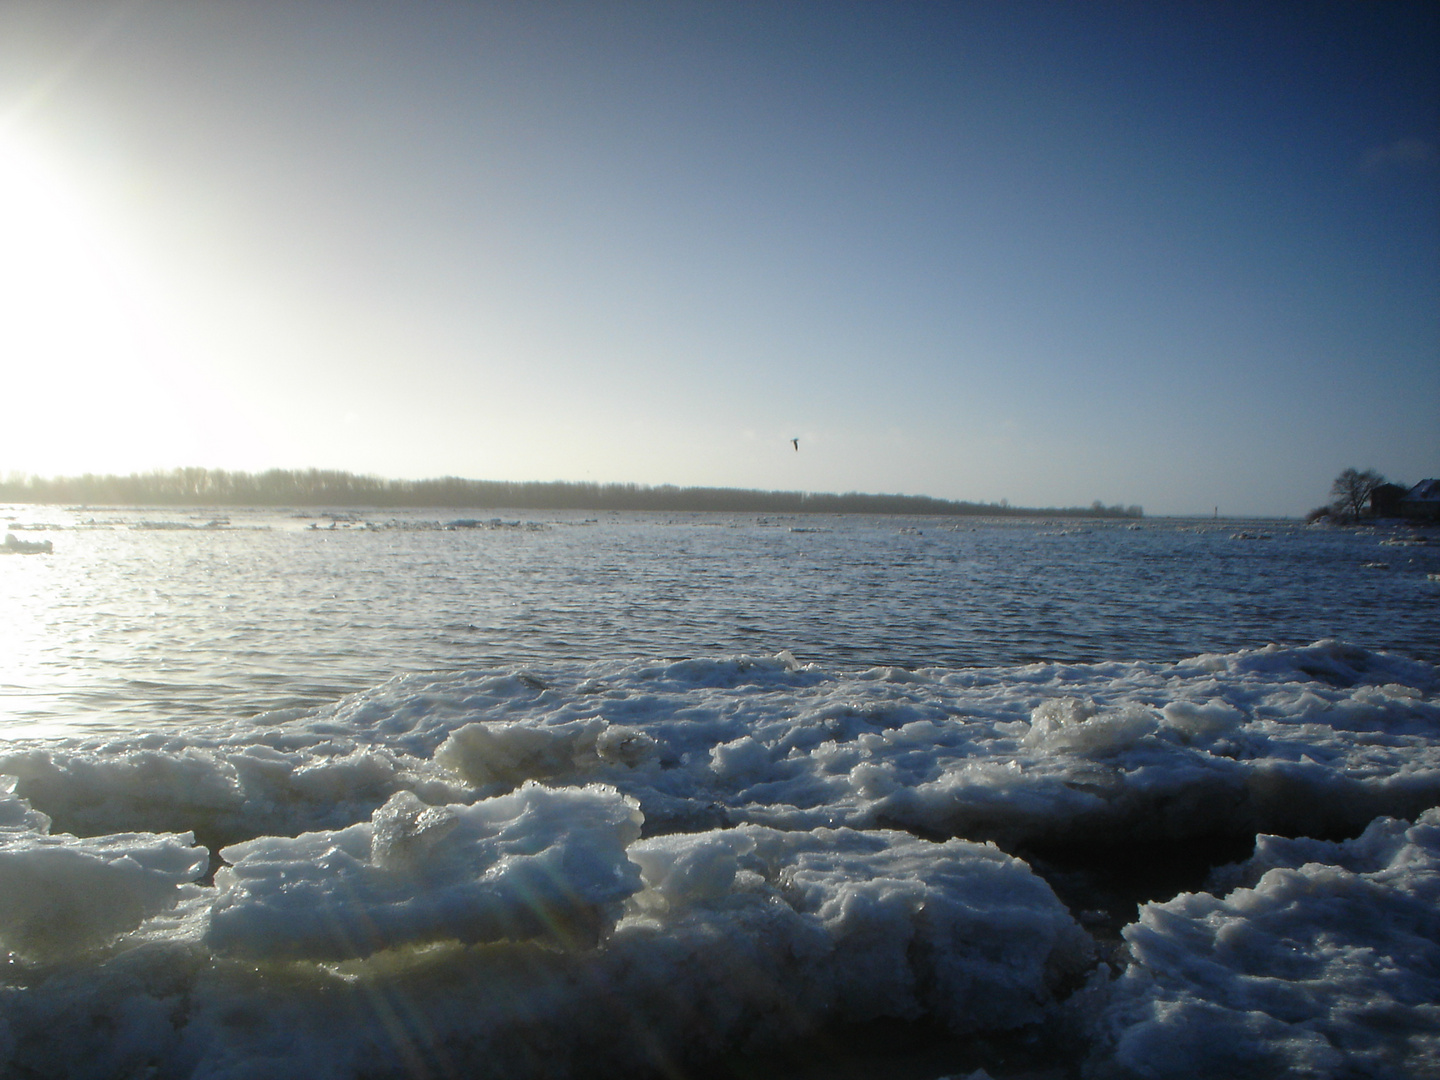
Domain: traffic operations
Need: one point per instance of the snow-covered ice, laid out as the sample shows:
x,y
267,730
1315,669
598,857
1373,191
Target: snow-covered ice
x,y
627,868
1325,963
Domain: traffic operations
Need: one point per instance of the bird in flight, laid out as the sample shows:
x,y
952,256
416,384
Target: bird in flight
x,y
796,443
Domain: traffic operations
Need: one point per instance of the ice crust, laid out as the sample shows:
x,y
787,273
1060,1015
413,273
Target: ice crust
x,y
533,927
535,864
1328,965
614,869
62,896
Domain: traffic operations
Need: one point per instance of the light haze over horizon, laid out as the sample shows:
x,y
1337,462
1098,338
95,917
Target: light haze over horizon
x,y
1183,256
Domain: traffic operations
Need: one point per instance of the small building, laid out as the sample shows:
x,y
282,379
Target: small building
x,y
1422,502
1385,500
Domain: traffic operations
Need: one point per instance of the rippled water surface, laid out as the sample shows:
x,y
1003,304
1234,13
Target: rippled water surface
x,y
127,624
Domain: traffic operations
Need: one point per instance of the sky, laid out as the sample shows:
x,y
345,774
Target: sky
x,y
1185,256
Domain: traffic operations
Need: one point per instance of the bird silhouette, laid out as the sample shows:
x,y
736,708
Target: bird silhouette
x,y
796,443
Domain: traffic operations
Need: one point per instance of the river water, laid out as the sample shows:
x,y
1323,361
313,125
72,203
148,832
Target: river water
x,y
147,617
389,797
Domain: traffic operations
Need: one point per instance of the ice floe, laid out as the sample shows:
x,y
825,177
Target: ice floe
x,y
1325,963
632,869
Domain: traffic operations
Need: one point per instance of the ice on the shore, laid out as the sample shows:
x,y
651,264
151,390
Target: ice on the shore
x,y
607,869
1326,963
533,934
535,864
866,924
1298,741
61,895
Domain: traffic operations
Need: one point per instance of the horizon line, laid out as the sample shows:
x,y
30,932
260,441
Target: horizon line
x,y
198,485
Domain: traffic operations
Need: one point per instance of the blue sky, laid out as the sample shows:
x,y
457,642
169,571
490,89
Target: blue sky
x,y
1185,256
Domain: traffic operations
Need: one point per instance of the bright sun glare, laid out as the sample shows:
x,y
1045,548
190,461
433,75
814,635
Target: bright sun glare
x,y
81,341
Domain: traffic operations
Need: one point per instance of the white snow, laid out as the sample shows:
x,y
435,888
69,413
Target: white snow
x,y
534,864
604,869
62,896
1327,964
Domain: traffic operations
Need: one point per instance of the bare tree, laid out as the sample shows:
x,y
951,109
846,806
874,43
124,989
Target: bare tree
x,y
1351,492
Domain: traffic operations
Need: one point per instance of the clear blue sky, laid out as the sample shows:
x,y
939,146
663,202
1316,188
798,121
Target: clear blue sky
x,y
1179,255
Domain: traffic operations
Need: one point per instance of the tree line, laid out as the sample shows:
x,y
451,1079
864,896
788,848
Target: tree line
x,y
332,488
1358,494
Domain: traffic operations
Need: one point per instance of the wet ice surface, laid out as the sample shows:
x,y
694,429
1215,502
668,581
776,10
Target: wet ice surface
x,y
660,868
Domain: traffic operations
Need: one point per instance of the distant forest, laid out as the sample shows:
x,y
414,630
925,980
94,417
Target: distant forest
x,y
328,488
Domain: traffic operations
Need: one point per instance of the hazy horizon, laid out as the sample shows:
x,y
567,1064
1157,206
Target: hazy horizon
x,y
198,487
1180,256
